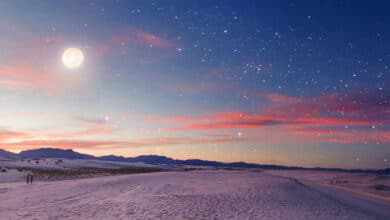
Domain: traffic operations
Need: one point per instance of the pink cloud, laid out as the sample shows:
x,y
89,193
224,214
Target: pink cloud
x,y
129,36
302,118
6,135
29,64
90,131
64,144
275,97
67,143
31,60
237,120
151,40
370,107
341,135
26,77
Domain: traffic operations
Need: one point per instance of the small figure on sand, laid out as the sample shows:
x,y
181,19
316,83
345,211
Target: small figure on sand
x,y
29,179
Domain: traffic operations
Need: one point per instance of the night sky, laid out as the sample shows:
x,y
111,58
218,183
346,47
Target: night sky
x,y
303,83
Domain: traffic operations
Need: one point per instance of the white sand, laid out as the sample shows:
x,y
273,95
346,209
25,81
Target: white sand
x,y
362,182
70,164
174,195
12,175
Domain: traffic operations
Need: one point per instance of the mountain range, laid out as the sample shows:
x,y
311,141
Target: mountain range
x,y
44,153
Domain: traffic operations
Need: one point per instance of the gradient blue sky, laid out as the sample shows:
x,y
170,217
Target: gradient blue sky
x,y
284,82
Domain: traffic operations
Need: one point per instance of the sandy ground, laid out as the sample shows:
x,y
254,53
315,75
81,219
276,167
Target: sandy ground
x,y
178,195
355,199
12,175
69,164
365,183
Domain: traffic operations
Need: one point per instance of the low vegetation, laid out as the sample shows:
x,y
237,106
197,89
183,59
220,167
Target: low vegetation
x,y
53,174
380,187
338,181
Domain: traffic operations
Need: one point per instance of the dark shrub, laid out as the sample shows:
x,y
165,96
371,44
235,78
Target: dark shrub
x,y
380,187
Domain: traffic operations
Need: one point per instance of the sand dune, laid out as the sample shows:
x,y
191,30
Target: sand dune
x,y
365,183
174,195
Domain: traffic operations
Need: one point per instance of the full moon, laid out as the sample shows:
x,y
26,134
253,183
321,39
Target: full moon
x,y
72,58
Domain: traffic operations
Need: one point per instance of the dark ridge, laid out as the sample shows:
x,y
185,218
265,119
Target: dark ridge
x,y
163,160
53,153
7,155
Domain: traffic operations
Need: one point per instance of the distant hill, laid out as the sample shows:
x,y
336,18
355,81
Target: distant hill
x,y
53,153
153,159
162,160
43,153
114,158
7,155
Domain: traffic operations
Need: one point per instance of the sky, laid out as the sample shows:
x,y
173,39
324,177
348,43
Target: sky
x,y
302,83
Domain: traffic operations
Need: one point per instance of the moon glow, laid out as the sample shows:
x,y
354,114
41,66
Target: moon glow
x,y
72,58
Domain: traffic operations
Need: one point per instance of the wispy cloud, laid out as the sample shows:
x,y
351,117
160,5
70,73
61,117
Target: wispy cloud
x,y
303,117
71,141
59,143
133,37
148,38
341,135
90,120
165,118
275,97
30,63
26,77
8,135
90,131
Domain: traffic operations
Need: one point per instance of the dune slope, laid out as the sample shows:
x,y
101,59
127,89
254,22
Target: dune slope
x,y
174,195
